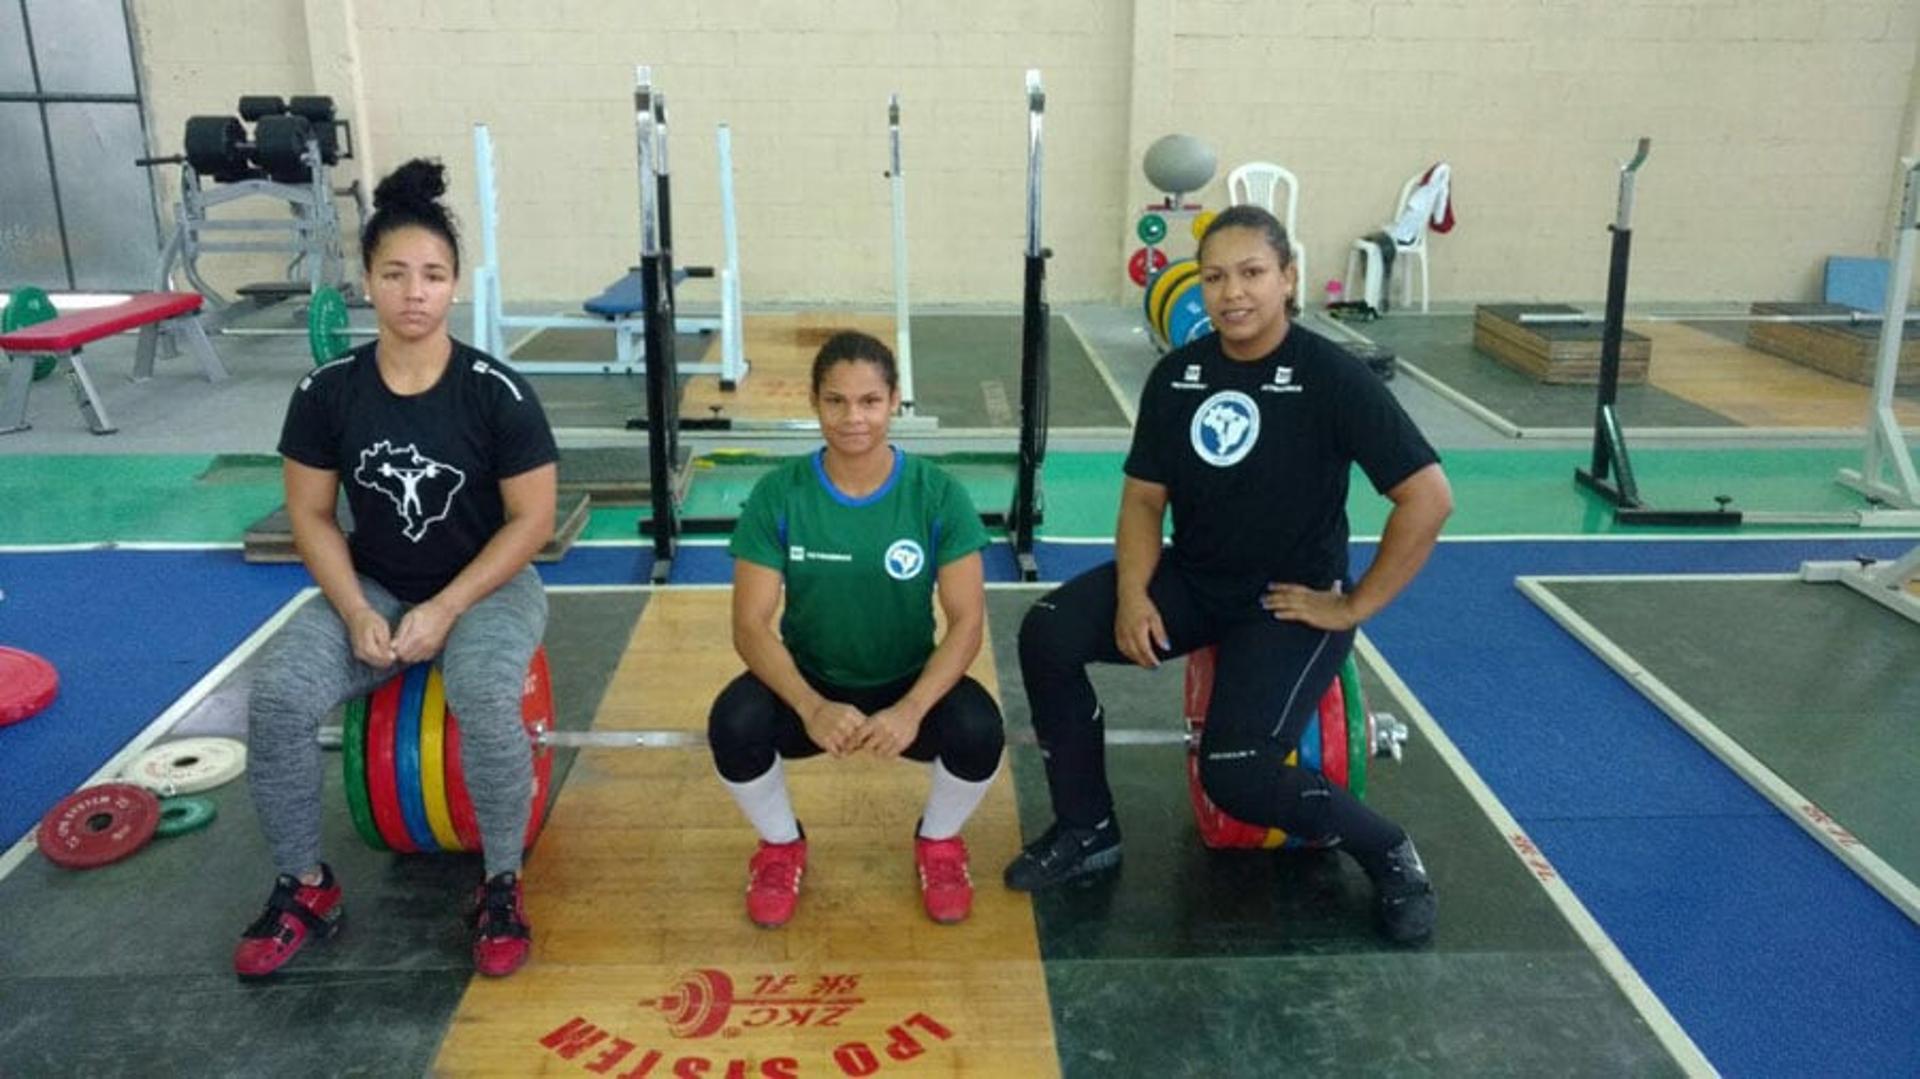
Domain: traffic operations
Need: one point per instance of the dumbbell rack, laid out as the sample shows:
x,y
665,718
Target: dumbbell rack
x,y
289,161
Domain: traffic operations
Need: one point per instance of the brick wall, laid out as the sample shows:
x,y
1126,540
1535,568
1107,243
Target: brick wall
x,y
1775,128
198,57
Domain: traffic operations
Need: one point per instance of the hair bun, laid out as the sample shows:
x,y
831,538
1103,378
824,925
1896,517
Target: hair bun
x,y
419,182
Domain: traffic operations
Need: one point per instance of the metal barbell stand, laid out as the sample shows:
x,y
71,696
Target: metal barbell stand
x,y
1886,582
1892,503
1024,515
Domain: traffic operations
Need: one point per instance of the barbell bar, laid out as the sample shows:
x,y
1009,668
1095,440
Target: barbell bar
x,y
1582,318
1389,738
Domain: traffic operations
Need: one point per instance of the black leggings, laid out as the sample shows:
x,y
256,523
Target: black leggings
x,y
750,723
1267,685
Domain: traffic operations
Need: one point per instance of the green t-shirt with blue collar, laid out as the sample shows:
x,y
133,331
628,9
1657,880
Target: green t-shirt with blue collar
x,y
859,572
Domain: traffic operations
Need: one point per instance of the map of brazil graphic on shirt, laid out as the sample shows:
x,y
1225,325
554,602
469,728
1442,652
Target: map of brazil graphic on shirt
x,y
420,488
1225,427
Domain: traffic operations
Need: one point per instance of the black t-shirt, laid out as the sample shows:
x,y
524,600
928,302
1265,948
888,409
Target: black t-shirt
x,y
1256,458
422,473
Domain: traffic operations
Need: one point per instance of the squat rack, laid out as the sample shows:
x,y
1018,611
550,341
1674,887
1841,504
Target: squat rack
x,y
1893,501
490,320
667,459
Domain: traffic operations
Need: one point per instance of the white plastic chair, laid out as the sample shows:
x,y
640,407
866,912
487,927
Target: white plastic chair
x,y
1255,183
1362,255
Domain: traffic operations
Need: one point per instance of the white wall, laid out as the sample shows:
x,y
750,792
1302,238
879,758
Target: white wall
x,y
1775,126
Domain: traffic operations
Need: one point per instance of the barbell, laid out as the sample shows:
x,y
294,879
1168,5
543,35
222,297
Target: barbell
x,y
1389,738
328,331
406,791
1855,318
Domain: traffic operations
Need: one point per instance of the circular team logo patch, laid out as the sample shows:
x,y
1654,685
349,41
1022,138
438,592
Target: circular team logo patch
x,y
904,560
1225,427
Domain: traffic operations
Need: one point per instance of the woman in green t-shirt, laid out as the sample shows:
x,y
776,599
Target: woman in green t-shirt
x,y
860,537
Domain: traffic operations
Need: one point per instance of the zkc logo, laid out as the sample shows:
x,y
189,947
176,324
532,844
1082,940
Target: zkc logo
x,y
704,1001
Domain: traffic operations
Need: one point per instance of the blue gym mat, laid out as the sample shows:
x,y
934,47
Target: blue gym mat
x,y
1647,826
129,632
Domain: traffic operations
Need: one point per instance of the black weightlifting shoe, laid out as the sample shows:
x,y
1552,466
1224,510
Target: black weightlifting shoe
x,y
1404,903
1064,853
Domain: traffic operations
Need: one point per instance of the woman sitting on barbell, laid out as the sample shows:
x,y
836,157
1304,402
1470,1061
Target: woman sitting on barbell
x,y
861,537
449,469
1248,436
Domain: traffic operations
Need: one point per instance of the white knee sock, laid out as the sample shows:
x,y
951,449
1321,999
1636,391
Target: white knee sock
x,y
950,801
765,802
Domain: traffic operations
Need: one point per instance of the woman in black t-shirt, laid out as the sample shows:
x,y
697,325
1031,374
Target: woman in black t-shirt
x,y
448,467
1249,435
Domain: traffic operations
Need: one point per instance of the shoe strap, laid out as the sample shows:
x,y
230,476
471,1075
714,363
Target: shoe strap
x,y
498,929
499,915
285,902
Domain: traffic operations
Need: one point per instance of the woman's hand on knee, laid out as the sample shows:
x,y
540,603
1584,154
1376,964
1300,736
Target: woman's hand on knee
x,y
423,632
889,732
1331,610
1138,631
835,727
372,638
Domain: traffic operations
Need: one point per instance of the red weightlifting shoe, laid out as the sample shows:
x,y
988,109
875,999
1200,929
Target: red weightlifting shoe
x,y
773,881
295,912
946,885
501,936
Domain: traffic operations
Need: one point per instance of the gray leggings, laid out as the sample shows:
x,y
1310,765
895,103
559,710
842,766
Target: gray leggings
x,y
309,667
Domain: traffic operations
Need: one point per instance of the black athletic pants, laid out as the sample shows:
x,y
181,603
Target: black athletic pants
x,y
750,723
1267,685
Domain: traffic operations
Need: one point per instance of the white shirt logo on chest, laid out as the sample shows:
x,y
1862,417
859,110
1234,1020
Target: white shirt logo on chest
x,y
904,559
1225,428
420,488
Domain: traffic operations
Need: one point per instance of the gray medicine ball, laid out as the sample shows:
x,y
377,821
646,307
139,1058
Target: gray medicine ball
x,y
1177,164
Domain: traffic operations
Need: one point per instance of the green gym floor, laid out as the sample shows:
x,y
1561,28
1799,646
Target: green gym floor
x,y
210,499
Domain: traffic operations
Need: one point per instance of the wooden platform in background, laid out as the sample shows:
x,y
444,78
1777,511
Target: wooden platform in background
x,y
1754,388
637,892
780,349
1554,352
270,539
1842,349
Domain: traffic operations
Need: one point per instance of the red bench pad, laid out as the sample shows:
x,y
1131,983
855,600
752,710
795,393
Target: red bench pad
x,y
69,332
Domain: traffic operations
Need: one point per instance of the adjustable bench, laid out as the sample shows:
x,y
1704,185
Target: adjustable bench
x,y
152,313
